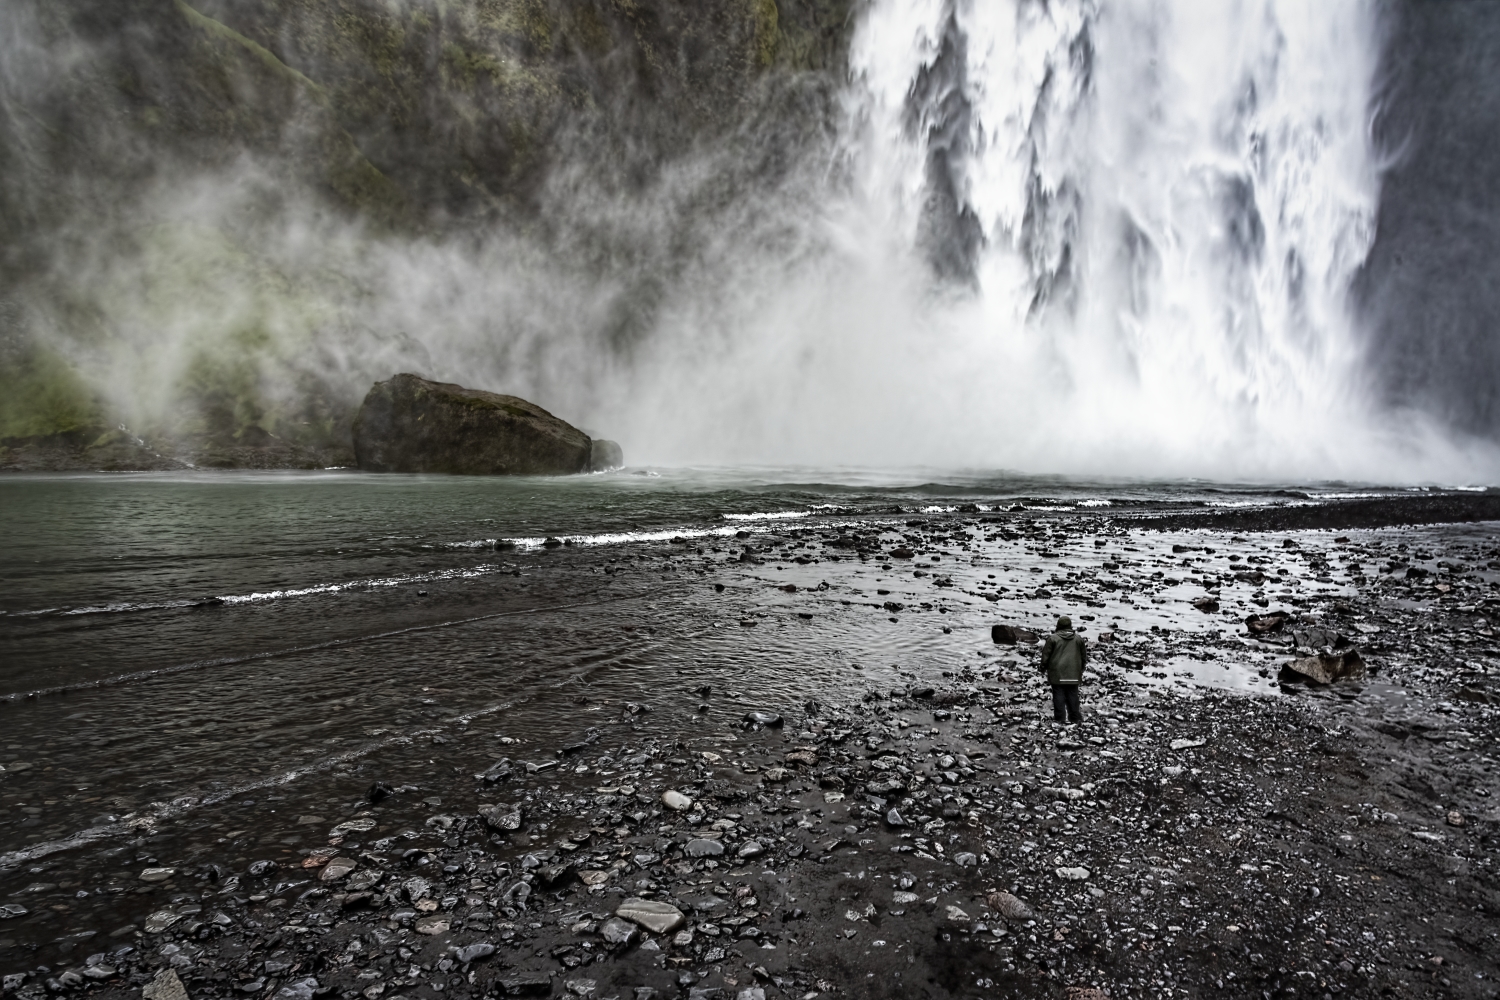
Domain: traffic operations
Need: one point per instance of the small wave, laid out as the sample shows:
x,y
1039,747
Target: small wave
x,y
1095,503
779,515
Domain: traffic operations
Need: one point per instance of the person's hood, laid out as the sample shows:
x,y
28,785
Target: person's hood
x,y
1069,634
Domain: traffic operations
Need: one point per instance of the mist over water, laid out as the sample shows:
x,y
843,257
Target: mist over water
x,y
1074,237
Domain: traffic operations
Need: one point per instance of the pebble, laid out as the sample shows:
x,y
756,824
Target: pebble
x,y
336,869
160,921
157,874
473,952
1073,874
656,917
701,848
618,932
361,825
676,801
1008,906
166,986
502,816
751,849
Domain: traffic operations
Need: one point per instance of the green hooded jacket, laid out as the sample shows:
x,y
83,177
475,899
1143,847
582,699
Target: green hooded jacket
x,y
1064,655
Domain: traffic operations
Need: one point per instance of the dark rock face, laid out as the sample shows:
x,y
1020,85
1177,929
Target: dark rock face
x,y
411,424
605,455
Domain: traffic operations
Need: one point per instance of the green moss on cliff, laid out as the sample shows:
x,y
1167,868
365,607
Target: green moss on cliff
x,y
765,16
42,395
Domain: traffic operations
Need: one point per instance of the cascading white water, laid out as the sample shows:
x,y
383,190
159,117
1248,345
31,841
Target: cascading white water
x,y
1148,213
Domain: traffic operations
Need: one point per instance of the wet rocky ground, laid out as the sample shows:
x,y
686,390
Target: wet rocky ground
x,y
1216,826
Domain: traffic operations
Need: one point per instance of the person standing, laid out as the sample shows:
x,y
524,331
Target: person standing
x,y
1063,658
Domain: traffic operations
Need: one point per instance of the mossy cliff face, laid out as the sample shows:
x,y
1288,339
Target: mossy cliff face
x,y
408,120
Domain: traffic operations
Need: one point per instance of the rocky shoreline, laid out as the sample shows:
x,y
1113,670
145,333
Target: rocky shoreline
x,y
938,837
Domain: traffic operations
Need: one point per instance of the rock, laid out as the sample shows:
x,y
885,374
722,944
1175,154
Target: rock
x,y
1008,906
593,877
554,875
701,848
957,915
803,755
362,825
379,791
527,986
776,774
1266,624
336,869
762,720
581,987
433,924
894,820
412,424
750,849
617,932
157,874
658,918
301,989
502,816
1009,635
1073,874
9,911
1320,638
605,455
160,921
1455,818
498,772
966,859
1324,668
751,993
262,867
166,986
473,952
676,801
1207,605
885,787
1186,744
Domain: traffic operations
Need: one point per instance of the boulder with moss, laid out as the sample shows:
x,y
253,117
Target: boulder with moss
x,y
413,424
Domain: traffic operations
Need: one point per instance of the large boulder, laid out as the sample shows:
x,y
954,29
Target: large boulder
x,y
412,424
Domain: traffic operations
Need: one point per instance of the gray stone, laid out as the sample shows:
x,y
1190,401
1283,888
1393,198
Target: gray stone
x,y
160,921
676,801
894,818
502,816
618,932
300,989
336,869
474,952
656,917
157,874
751,849
166,986
966,859
759,720
701,848
1008,906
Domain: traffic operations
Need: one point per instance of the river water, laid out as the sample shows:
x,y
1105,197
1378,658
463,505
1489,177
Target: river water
x,y
217,666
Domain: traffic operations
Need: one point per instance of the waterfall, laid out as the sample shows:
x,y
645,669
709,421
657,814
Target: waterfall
x,y
1137,221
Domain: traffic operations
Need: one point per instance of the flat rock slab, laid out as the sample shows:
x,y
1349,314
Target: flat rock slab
x,y
659,918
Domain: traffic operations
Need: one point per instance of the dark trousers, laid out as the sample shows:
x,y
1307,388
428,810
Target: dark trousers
x,y
1065,699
